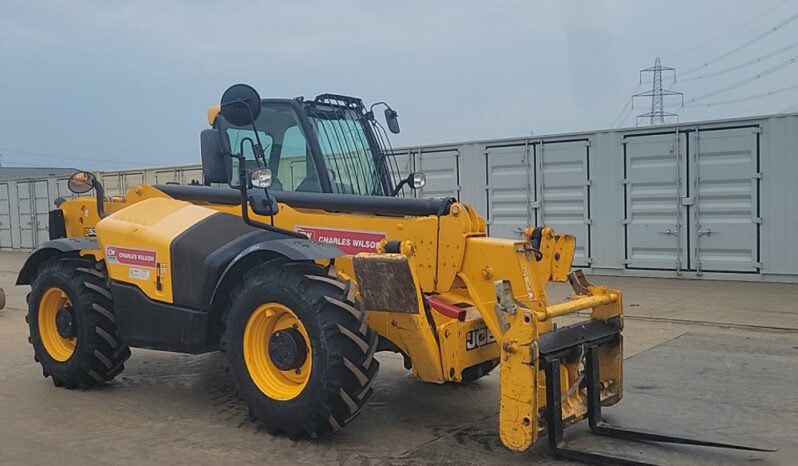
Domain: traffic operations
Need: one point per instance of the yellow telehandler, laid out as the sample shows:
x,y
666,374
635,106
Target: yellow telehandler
x,y
300,259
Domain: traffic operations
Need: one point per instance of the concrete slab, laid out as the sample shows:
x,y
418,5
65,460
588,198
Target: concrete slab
x,y
708,374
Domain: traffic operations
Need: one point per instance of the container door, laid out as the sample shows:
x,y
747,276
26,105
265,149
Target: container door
x,y
724,197
62,190
27,214
112,183
509,190
442,170
563,190
41,207
164,177
655,231
131,180
5,218
191,176
297,172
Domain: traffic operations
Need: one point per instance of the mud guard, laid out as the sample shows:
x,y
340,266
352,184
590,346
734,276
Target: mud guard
x,y
51,249
295,249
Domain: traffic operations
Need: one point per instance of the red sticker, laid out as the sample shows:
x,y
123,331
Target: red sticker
x,y
128,256
348,241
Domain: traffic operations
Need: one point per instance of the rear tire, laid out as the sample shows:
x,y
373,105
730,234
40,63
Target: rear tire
x,y
91,353
324,390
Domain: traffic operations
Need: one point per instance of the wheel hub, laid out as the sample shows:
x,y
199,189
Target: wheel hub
x,y
287,349
65,323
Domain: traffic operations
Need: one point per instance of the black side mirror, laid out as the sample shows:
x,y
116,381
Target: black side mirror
x,y
240,105
264,205
215,166
392,119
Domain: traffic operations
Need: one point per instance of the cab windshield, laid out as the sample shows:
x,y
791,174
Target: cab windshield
x,y
348,158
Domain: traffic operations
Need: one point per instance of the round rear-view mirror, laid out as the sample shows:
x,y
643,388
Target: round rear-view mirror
x,y
240,105
261,178
81,182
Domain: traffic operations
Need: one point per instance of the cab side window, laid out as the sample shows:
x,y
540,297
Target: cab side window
x,y
296,170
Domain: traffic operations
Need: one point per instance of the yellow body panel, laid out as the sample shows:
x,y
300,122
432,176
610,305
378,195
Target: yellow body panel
x,y
213,112
147,226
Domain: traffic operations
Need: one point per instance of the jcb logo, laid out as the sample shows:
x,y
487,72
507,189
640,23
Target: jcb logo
x,y
478,338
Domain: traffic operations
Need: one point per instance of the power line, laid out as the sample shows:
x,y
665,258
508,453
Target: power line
x,y
730,32
16,162
744,45
627,106
744,99
57,156
626,117
741,65
745,81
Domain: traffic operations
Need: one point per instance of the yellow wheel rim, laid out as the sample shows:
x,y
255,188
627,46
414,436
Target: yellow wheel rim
x,y
58,347
273,382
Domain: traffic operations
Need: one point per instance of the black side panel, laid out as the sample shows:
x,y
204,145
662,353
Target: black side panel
x,y
145,323
382,205
56,226
201,253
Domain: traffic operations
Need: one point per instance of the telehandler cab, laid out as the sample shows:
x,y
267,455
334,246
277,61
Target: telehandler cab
x,y
314,262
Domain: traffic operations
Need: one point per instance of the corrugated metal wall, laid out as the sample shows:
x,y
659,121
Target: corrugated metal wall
x,y
118,182
714,199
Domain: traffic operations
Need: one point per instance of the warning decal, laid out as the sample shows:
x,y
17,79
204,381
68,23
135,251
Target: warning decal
x,y
129,256
348,241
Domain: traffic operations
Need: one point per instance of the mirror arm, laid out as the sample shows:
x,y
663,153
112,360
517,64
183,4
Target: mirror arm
x,y
400,186
100,192
242,188
269,200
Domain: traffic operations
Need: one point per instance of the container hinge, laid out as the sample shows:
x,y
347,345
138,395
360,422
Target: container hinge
x,y
757,176
757,220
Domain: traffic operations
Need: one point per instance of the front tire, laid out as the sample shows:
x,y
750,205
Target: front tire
x,y
302,354
72,324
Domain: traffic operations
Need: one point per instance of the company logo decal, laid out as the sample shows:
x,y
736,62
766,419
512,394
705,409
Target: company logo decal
x,y
478,338
348,241
130,256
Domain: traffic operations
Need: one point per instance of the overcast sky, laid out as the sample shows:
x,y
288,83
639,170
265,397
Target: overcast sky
x,y
128,83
